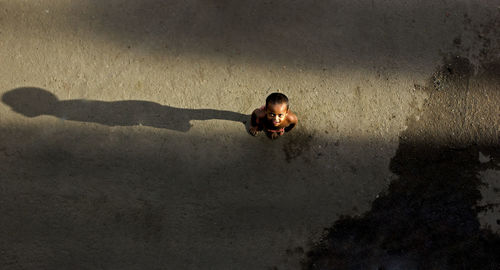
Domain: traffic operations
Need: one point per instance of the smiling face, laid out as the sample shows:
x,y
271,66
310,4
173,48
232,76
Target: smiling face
x,y
276,113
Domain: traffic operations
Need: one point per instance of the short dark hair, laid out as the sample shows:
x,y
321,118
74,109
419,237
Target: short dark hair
x,y
277,98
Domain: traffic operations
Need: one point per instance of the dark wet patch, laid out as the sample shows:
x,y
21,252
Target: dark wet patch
x,y
455,69
427,219
296,145
294,251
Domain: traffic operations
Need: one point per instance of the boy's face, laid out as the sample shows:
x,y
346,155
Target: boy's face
x,y
276,113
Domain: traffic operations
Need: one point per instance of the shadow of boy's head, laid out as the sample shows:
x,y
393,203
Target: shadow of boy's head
x,y
30,101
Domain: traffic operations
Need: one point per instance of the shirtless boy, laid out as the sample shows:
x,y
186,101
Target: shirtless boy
x,y
274,118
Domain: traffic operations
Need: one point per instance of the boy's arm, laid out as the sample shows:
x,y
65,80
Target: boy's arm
x,y
292,119
256,122
254,119
257,118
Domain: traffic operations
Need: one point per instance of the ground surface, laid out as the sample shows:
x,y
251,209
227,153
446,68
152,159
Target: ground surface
x,y
123,141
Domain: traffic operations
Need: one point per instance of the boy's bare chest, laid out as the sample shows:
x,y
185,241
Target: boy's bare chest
x,y
269,126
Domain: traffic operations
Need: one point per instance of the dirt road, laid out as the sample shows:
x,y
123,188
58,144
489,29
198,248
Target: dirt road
x,y
123,142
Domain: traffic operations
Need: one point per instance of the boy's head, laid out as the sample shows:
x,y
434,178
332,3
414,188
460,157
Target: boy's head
x,y
277,98
276,108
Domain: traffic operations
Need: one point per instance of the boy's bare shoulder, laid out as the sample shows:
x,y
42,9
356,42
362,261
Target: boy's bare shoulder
x,y
259,112
292,118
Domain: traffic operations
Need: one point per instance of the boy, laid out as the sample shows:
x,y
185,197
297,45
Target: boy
x,y
274,118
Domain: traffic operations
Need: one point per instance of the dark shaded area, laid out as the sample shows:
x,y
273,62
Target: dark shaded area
x,y
319,34
32,102
427,219
74,197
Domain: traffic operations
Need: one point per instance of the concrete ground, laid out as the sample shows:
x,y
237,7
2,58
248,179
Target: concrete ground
x,y
123,141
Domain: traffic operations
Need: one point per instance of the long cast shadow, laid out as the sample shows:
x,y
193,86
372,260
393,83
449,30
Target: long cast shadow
x,y
32,102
